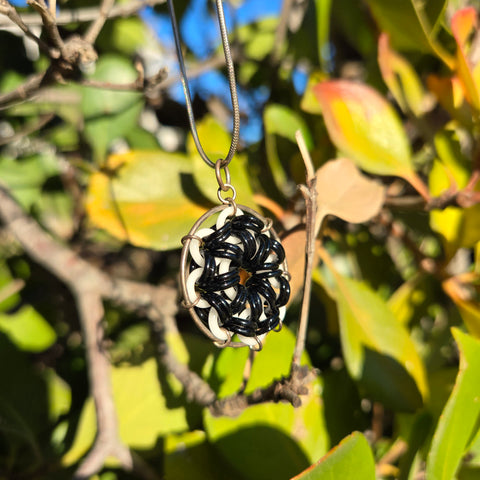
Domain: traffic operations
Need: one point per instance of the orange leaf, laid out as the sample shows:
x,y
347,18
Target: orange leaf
x,y
463,23
346,193
365,127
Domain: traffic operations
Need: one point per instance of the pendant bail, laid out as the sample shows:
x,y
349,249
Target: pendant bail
x,y
224,186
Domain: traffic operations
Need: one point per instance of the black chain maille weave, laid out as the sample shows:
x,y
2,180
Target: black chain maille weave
x,y
250,254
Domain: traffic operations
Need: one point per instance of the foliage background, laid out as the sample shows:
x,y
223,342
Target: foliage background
x,y
98,156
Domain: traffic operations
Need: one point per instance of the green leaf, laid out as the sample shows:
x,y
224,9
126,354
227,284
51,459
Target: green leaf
x,y
141,409
9,288
145,200
124,35
352,459
377,348
310,103
216,143
23,404
25,176
110,114
27,329
411,24
411,300
269,440
275,361
258,38
59,395
284,122
365,127
461,414
458,227
189,455
402,80
322,8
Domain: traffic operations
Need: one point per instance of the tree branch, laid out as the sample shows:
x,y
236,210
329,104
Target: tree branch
x,y
9,11
89,286
97,24
286,389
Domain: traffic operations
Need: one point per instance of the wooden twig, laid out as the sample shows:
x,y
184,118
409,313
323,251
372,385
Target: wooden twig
x,y
86,14
97,24
9,11
286,389
281,31
28,129
164,325
310,194
49,22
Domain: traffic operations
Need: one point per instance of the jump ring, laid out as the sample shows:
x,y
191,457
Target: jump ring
x,y
224,186
227,200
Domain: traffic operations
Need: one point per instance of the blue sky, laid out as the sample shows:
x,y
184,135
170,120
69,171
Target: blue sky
x,y
200,33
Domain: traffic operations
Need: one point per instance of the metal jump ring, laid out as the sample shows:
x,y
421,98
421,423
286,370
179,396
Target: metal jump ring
x,y
227,200
219,165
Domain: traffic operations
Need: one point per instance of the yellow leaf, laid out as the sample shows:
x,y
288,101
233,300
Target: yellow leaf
x,y
365,127
402,80
143,197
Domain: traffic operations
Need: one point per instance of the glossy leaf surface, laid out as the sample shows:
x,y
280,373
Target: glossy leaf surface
x,y
351,459
376,346
461,414
270,440
143,198
141,409
365,127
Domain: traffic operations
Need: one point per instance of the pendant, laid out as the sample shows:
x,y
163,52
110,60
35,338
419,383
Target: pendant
x,y
234,276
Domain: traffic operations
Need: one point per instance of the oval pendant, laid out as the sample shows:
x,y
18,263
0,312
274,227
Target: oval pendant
x,y
234,276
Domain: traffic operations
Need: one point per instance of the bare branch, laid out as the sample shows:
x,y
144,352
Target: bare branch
x,y
49,22
107,443
9,11
310,194
97,24
24,91
28,129
87,14
164,325
286,389
281,31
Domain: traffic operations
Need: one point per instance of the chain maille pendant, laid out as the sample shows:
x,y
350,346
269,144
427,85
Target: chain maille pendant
x,y
233,271
234,275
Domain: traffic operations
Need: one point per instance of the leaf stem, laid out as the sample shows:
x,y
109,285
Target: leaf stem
x,y
419,185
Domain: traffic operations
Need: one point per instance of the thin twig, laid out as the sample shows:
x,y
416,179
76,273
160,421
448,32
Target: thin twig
x,y
28,129
286,389
49,22
97,24
87,14
164,326
9,11
310,194
281,31
107,443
